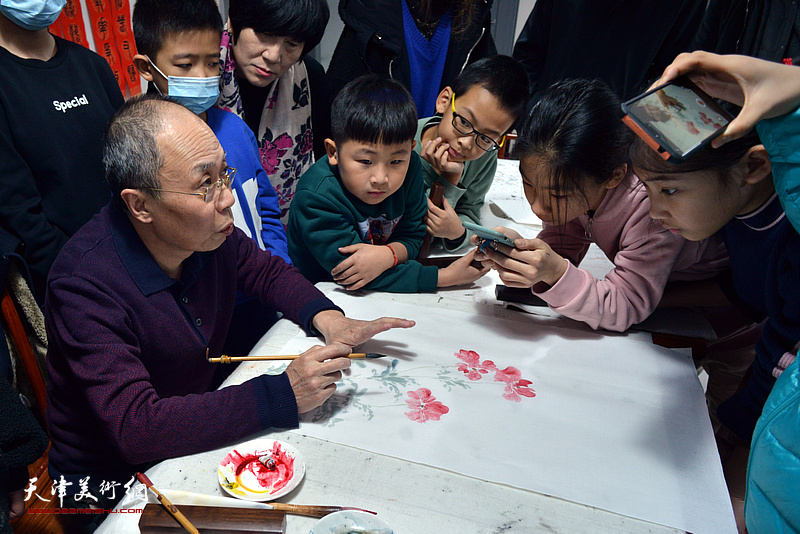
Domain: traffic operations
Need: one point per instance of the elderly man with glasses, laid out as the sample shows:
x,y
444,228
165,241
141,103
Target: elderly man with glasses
x,y
141,295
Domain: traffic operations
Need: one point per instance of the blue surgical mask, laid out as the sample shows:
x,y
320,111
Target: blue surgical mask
x,y
32,14
197,94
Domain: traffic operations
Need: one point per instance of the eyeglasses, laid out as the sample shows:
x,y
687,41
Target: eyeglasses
x,y
209,193
464,127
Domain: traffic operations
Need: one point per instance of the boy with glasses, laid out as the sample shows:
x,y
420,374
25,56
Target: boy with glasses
x,y
459,144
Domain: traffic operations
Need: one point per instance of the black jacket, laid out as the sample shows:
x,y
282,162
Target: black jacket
x,y
750,27
625,43
372,41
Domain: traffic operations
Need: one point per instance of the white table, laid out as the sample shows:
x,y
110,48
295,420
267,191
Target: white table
x,y
413,498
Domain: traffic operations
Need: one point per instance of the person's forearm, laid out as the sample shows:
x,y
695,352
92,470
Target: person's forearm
x,y
325,320
400,251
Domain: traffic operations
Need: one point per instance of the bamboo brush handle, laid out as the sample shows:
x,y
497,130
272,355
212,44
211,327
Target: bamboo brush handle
x,y
224,358
179,517
305,509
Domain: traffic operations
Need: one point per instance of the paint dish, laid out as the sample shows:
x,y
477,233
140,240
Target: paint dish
x,y
242,472
351,522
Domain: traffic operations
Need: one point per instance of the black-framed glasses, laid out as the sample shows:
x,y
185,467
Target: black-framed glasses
x,y
209,193
464,127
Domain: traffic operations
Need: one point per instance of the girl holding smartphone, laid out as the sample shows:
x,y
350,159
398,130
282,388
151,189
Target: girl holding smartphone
x,y
577,177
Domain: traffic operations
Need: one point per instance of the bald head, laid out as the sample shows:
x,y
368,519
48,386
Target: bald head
x,y
131,153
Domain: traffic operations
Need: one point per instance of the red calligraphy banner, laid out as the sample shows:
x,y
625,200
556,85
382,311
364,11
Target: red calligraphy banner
x,y
101,16
126,47
72,23
110,26
55,28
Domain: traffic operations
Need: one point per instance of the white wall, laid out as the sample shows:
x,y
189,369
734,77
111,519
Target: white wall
x,y
332,33
525,8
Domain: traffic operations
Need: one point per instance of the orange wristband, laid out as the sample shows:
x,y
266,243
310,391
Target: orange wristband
x,y
393,255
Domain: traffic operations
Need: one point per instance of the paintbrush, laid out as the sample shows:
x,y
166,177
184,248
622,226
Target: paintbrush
x,y
311,510
168,506
232,359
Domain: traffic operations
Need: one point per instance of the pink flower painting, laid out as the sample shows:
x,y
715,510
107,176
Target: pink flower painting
x,y
424,406
516,386
472,366
513,391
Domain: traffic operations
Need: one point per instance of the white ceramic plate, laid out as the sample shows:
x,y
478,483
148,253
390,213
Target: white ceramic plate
x,y
351,522
243,476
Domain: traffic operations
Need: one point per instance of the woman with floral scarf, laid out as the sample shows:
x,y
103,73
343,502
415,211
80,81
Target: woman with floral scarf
x,y
269,81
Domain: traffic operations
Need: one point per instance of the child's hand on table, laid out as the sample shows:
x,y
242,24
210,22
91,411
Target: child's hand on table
x,y
443,222
531,262
365,263
461,271
436,153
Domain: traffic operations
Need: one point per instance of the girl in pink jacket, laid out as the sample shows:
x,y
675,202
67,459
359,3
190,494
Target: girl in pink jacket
x,y
573,152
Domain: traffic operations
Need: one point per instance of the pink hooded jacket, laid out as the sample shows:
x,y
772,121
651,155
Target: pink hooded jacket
x,y
644,254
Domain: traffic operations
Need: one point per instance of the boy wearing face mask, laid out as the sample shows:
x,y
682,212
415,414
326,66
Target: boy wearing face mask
x,y
179,45
55,99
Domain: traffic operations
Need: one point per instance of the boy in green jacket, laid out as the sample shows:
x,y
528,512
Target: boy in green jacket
x,y
357,214
459,144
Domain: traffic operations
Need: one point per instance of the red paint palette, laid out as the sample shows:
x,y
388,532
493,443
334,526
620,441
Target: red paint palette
x,y
261,470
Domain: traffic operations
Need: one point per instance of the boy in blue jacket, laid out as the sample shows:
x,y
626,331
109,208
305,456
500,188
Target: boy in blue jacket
x,y
357,214
178,45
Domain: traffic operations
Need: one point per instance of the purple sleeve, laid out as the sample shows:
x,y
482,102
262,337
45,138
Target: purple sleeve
x,y
94,353
278,284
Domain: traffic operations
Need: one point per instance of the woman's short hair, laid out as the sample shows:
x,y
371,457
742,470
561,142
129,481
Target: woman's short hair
x,y
303,20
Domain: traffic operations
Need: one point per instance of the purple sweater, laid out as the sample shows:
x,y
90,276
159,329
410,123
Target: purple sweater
x,y
129,381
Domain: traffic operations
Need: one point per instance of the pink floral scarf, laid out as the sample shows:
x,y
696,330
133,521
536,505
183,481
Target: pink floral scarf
x,y
284,136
